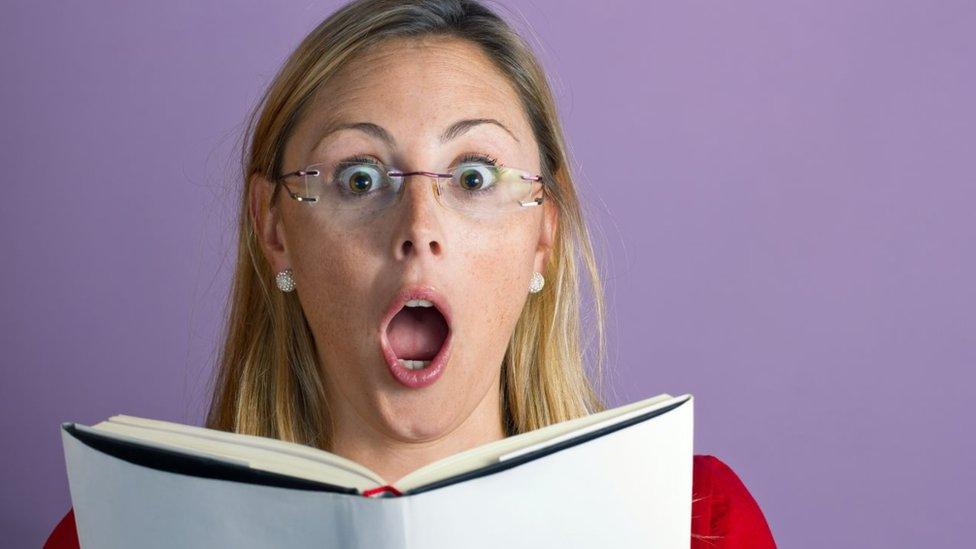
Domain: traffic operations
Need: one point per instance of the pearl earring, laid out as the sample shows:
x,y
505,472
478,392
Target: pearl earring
x,y
285,281
537,283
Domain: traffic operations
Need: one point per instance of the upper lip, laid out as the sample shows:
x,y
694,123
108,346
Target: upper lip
x,y
417,291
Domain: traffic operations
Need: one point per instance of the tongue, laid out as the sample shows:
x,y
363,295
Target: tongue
x,y
417,333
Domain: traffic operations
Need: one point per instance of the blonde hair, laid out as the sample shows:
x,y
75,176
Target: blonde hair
x,y
269,380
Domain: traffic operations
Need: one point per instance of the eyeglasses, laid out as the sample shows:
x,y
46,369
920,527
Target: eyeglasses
x,y
367,187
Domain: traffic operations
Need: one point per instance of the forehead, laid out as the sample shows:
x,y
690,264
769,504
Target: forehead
x,y
416,88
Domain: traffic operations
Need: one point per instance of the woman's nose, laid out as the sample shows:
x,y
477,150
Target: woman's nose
x,y
419,229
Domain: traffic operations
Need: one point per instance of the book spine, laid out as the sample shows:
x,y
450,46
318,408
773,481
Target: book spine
x,y
387,491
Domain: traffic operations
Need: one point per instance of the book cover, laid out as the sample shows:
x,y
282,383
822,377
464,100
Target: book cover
x,y
620,478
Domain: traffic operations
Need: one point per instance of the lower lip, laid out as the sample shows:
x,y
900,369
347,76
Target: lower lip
x,y
417,379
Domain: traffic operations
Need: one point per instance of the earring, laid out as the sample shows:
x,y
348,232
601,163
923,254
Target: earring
x,y
537,283
285,281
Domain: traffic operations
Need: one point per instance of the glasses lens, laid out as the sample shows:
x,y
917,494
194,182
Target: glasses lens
x,y
352,186
484,188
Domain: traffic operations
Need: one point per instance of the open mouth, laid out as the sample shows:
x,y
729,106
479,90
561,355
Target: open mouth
x,y
417,333
416,339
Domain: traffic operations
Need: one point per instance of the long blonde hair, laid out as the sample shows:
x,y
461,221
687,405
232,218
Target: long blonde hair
x,y
269,381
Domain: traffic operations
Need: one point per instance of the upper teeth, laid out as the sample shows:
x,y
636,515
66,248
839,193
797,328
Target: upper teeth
x,y
419,303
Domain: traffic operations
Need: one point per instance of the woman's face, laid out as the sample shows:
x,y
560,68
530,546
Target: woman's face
x,y
348,272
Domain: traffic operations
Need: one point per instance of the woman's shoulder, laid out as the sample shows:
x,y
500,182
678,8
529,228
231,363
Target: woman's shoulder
x,y
724,515
64,535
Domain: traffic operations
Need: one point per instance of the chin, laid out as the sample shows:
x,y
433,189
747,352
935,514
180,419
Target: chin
x,y
412,419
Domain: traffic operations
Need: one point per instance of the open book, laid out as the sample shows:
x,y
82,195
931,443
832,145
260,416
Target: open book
x,y
620,478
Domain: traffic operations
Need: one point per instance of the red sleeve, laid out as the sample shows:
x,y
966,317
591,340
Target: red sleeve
x,y
64,535
724,514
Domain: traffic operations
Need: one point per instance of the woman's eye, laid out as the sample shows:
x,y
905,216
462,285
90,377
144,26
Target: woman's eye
x,y
475,178
358,179
360,182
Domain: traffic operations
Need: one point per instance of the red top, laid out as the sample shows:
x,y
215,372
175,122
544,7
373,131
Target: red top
x,y
723,513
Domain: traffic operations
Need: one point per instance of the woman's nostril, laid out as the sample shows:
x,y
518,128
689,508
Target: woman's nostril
x,y
407,246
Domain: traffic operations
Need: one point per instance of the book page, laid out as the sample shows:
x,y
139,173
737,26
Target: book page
x,y
628,489
269,454
551,434
303,461
121,505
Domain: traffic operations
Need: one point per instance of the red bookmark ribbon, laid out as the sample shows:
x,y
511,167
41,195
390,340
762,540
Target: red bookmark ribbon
x,y
378,492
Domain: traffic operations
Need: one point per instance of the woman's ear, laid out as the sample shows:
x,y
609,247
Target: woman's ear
x,y
550,222
267,223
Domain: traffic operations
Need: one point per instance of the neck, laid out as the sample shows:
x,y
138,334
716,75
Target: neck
x,y
392,458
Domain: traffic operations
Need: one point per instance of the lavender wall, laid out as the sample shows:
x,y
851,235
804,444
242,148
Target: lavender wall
x,y
784,192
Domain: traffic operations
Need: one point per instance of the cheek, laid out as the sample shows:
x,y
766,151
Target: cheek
x,y
334,274
493,269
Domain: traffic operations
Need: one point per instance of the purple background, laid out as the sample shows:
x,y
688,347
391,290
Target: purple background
x,y
783,193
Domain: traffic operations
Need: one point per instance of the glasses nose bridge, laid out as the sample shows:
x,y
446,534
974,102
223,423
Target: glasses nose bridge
x,y
436,184
429,174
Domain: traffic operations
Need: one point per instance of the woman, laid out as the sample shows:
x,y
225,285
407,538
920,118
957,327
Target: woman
x,y
406,285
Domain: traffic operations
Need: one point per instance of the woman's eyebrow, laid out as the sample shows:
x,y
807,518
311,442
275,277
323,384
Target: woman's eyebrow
x,y
452,131
462,126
